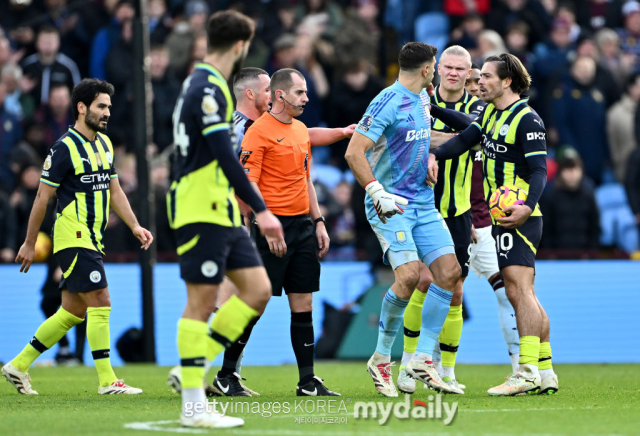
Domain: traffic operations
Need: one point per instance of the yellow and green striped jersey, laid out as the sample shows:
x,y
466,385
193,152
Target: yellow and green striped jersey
x,y
509,138
200,192
453,190
81,170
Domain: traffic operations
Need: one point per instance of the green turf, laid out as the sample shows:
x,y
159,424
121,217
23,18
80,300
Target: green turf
x,y
593,400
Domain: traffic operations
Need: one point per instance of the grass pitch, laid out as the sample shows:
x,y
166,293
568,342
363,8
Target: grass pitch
x,y
593,400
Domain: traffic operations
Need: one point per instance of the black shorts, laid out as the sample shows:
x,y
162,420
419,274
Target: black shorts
x,y
207,251
518,246
460,229
82,270
298,271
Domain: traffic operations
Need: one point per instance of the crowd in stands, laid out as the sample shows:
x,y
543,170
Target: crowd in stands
x,y
583,55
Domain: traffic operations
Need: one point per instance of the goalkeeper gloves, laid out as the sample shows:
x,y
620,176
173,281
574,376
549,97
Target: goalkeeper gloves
x,y
384,202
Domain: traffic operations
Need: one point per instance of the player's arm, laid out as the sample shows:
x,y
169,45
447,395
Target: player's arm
x,y
121,206
314,211
533,137
439,138
38,211
322,136
454,147
455,119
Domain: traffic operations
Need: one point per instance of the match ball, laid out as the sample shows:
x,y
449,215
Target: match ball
x,y
504,197
43,247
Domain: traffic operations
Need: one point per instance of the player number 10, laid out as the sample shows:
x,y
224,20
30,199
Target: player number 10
x,y
505,242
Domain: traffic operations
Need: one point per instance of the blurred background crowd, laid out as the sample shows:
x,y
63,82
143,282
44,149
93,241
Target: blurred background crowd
x,y
583,55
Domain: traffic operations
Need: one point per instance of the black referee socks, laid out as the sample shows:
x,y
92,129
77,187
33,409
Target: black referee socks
x,y
303,344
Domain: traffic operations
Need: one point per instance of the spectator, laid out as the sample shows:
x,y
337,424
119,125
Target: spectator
x,y
343,226
579,114
8,230
23,197
159,21
569,210
604,80
324,13
506,12
199,49
56,116
48,66
567,12
165,93
160,179
630,35
31,150
517,41
275,25
18,101
611,57
107,37
181,44
5,51
10,134
490,43
349,100
632,183
620,127
359,36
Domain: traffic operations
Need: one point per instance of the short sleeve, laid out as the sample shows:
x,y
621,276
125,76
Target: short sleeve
x,y
57,165
380,114
252,155
532,135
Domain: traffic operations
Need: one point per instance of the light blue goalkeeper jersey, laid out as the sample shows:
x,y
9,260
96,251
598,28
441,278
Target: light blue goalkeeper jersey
x,y
399,123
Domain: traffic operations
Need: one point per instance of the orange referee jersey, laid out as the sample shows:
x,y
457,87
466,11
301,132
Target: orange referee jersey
x,y
275,155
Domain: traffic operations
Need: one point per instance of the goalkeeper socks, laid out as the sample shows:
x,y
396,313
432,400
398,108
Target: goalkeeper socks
x,y
434,312
390,321
544,360
100,343
302,340
47,335
413,322
450,336
507,317
233,356
228,325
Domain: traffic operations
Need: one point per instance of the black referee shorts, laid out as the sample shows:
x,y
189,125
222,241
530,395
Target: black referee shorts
x,y
298,271
460,229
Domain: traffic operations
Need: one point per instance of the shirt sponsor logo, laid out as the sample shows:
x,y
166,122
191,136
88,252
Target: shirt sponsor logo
x,y
498,148
98,178
416,135
365,123
536,136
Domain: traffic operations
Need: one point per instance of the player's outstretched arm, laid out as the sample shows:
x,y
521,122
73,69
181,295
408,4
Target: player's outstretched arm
x,y
321,136
454,119
27,250
439,138
121,206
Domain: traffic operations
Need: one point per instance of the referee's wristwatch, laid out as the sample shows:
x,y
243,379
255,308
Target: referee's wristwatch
x,y
317,220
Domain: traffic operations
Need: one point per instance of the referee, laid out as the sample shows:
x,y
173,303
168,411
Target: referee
x,y
275,154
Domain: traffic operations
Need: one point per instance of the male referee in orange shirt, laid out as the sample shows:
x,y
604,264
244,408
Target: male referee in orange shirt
x,y
275,153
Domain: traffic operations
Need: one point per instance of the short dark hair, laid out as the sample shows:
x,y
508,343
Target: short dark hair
x,y
87,91
245,76
508,65
57,85
283,79
413,55
47,28
475,66
225,28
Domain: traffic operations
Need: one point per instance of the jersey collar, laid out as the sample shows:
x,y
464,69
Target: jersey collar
x,y
211,69
438,99
516,104
399,85
80,136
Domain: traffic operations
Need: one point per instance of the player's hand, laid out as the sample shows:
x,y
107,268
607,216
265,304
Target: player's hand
x,y
246,221
474,235
269,225
432,170
348,131
431,90
323,239
143,236
384,202
519,214
25,256
277,245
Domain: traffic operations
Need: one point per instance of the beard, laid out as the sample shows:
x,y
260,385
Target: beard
x,y
93,121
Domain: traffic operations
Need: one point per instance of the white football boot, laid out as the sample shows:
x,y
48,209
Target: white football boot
x,y
406,383
20,380
516,384
425,372
118,387
382,377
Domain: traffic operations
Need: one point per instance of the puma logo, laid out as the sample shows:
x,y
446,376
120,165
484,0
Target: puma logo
x,y
505,255
86,160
